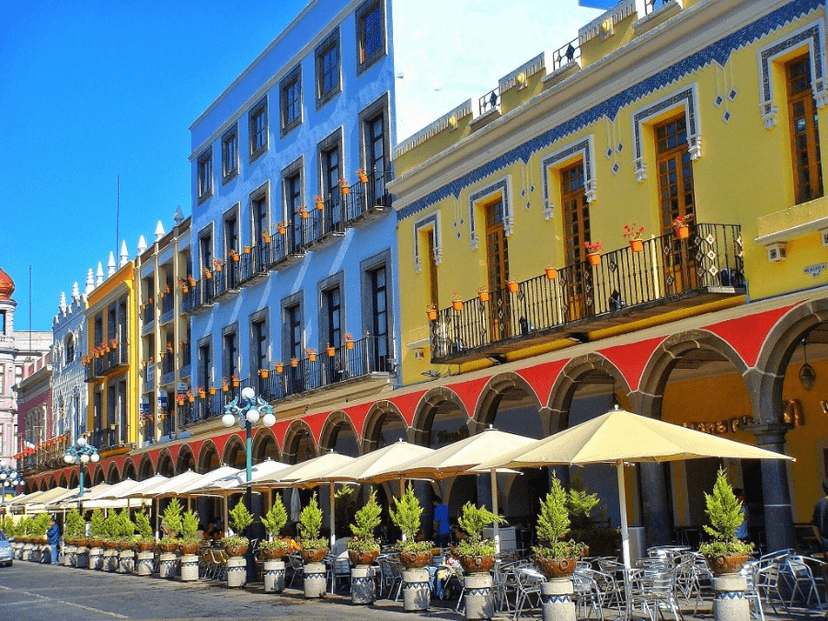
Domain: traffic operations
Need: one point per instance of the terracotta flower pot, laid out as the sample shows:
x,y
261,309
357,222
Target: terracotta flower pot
x,y
274,553
682,232
432,315
457,305
362,558
410,560
555,567
313,555
236,550
726,563
331,351
145,546
279,368
190,547
636,245
265,373
551,273
594,259
320,205
513,286
345,190
266,238
168,546
477,564
349,344
363,178
484,296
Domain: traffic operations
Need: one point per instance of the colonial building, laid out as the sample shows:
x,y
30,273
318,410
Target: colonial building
x,y
42,438
69,395
16,348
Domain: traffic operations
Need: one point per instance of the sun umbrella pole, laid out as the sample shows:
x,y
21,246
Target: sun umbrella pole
x,y
493,480
625,533
332,514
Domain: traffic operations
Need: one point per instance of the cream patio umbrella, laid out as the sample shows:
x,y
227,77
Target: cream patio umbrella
x,y
310,470
459,457
38,505
620,436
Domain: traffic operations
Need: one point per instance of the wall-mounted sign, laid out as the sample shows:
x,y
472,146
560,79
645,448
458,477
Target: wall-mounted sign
x,y
815,270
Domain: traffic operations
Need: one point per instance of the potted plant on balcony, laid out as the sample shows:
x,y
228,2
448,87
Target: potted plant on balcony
x,y
294,362
555,557
266,237
483,293
191,280
632,233
282,228
456,302
235,256
264,373
364,547
207,273
311,354
303,213
235,379
344,188
246,249
475,553
218,265
201,392
513,285
225,384
211,390
274,521
682,226
594,252
551,273
349,340
413,554
725,554
330,350
279,367
314,547
240,519
431,311
319,201
363,176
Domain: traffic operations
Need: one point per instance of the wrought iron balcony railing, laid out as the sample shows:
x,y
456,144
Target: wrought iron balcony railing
x,y
566,54
668,270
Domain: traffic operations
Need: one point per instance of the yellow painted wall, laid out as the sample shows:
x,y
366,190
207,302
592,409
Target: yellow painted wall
x,y
744,172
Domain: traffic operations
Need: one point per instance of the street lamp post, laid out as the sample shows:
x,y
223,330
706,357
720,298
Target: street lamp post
x,y
246,411
81,453
9,479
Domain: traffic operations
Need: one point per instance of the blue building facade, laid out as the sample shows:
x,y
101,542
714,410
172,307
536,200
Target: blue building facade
x,y
293,233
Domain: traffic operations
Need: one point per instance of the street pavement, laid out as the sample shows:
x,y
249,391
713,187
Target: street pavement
x,y
32,592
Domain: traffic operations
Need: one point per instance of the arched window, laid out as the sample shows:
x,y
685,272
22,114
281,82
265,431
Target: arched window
x,y
70,348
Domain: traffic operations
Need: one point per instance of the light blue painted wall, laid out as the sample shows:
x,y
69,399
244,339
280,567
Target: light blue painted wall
x,y
358,91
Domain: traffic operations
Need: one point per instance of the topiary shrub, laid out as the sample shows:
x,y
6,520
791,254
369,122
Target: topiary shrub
x,y
407,518
725,515
310,523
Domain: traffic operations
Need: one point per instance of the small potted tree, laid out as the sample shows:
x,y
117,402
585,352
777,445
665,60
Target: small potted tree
x,y
189,529
74,528
274,521
555,556
413,554
240,519
171,526
96,529
364,547
144,543
314,547
475,553
725,554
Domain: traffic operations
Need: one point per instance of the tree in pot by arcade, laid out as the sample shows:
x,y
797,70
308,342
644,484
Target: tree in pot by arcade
x,y
314,547
189,533
413,554
725,553
475,553
274,521
74,527
171,526
240,519
146,539
364,547
555,556
126,530
96,528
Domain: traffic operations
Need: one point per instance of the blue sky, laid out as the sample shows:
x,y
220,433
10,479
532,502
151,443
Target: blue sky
x,y
94,89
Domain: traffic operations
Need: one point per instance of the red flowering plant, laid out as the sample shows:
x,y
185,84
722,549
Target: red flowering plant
x,y
633,231
593,248
682,220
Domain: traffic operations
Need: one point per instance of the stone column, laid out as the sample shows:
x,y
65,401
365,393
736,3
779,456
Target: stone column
x,y
189,568
779,531
274,576
363,589
82,557
416,591
145,562
236,571
479,596
315,580
556,596
126,561
96,558
729,601
168,565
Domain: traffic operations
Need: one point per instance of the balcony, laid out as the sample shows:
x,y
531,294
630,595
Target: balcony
x,y
107,357
167,308
668,274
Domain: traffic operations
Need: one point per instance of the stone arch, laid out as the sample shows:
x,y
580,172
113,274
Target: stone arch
x,y
579,370
185,460
73,480
145,467
431,403
694,345
165,463
43,485
63,481
235,453
113,475
97,476
128,470
384,424
299,443
335,424
507,386
265,446
208,457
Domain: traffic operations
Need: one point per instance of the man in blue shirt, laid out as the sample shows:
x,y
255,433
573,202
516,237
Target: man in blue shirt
x,y
742,532
442,528
53,534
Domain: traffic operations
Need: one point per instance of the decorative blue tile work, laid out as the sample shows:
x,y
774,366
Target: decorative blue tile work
x,y
582,148
502,187
717,52
719,100
432,220
732,94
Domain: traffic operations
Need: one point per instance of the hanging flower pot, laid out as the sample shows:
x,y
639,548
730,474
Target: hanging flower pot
x,y
192,281
349,340
594,259
345,190
246,250
236,382
683,232
551,273
212,390
363,176
483,294
180,400
304,213
513,285
266,237
431,311
279,367
319,201
682,227
191,398
636,245
282,228
312,357
294,362
184,288
457,305
225,387
331,351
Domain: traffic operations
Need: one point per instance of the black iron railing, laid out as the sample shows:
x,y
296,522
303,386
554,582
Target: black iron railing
x,y
666,268
651,6
566,54
489,101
